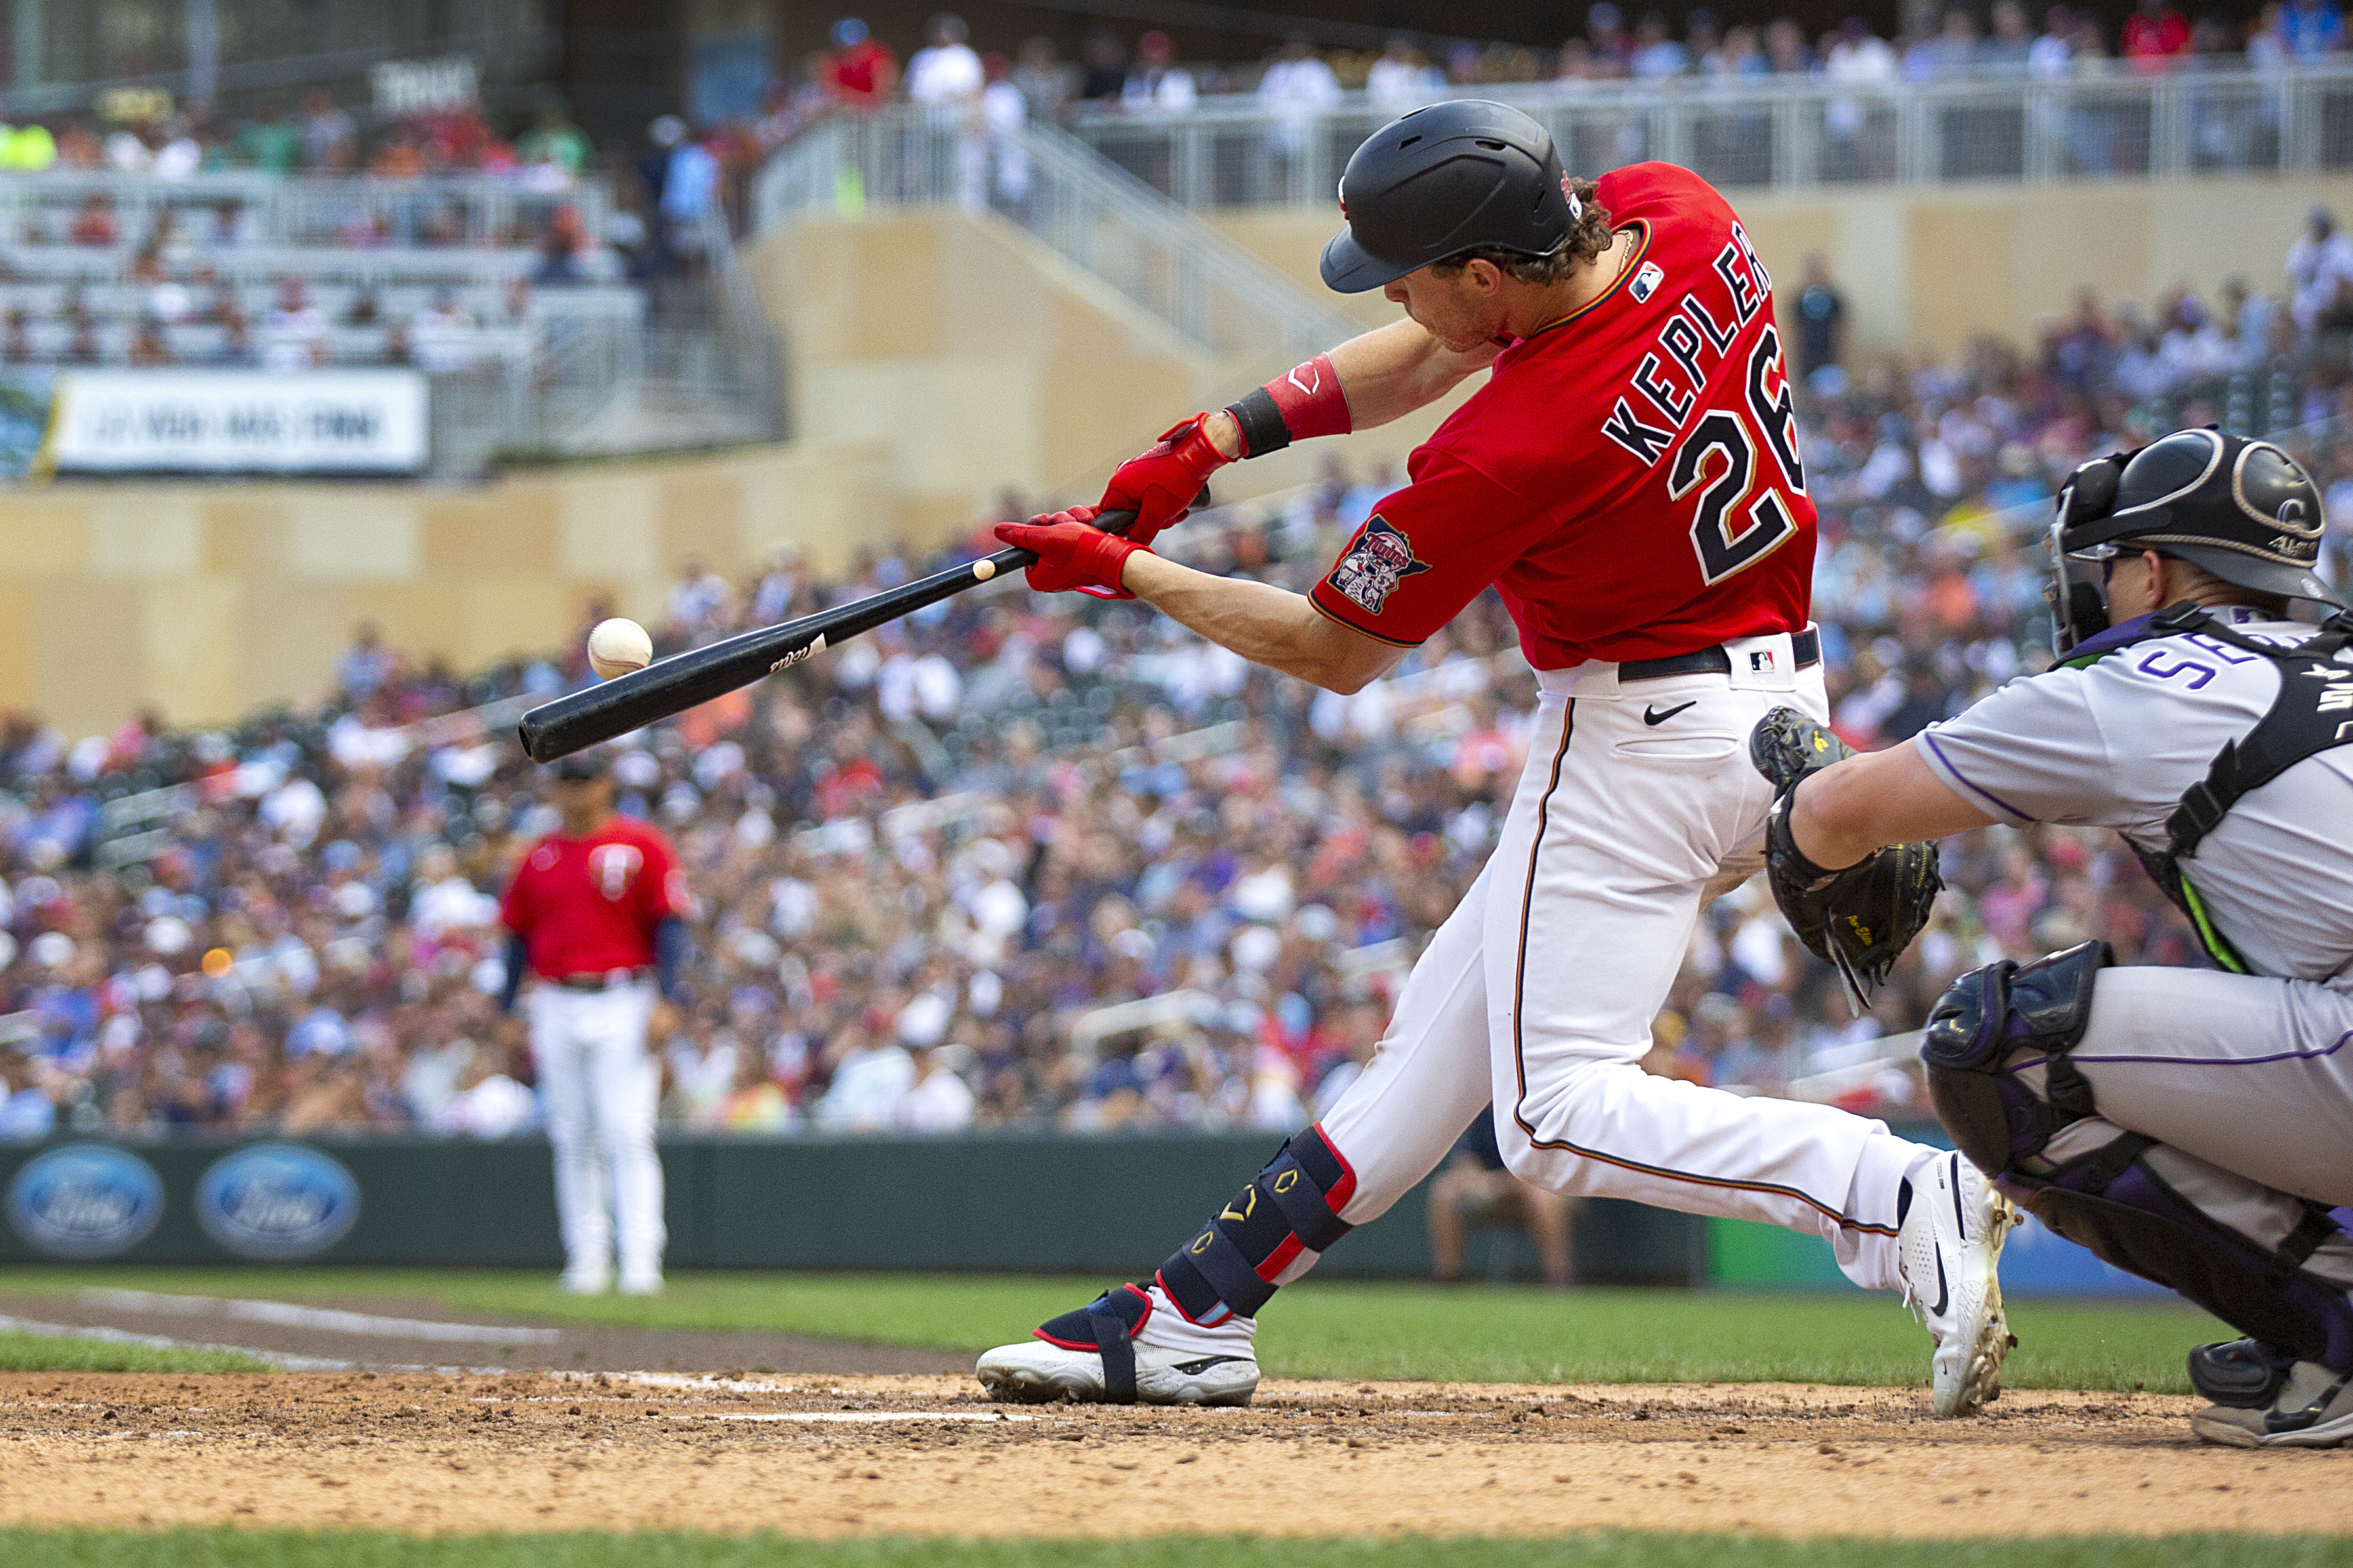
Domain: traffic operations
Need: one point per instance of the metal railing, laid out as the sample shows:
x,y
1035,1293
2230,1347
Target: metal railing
x,y
1789,132
444,213
1209,291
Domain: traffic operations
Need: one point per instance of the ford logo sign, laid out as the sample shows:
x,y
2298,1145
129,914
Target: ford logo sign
x,y
84,1201
277,1201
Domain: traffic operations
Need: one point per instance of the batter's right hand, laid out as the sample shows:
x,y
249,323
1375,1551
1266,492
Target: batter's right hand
x,y
1073,552
1160,485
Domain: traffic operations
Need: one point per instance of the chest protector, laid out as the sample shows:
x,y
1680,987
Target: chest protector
x,y
2313,713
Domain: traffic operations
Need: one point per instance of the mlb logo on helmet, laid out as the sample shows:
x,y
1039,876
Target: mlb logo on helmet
x,y
84,1201
277,1201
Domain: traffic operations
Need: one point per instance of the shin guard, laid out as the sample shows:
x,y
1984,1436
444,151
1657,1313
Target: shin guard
x,y
1290,1207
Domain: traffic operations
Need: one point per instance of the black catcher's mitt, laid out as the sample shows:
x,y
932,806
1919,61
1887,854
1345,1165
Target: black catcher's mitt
x,y
1860,920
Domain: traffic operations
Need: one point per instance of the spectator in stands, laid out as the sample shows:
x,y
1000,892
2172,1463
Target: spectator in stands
x,y
28,149
2312,28
1473,1191
2051,58
1860,61
1102,66
2320,273
555,143
1949,53
271,141
94,223
1156,82
294,332
861,72
689,192
149,348
16,336
946,72
2156,37
330,139
1785,46
1044,81
1655,52
1821,322
2008,49
1612,52
1296,89
1401,79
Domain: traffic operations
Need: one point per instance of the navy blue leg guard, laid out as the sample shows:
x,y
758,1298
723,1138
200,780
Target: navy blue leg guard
x,y
1108,1326
1293,1206
2238,1250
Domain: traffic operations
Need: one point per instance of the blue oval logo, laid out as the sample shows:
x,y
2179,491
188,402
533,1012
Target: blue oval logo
x,y
277,1201
84,1201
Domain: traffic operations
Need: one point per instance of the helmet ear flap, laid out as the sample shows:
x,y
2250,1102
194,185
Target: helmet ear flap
x,y
2090,491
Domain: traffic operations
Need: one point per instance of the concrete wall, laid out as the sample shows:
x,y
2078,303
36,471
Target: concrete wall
x,y
1924,270
205,601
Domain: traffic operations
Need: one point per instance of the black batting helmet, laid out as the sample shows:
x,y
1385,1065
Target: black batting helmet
x,y
2242,509
1442,180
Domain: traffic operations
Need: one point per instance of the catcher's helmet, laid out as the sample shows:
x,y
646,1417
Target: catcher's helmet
x,y
1442,180
2242,509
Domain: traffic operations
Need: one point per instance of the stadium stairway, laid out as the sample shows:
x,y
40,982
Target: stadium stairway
x,y
1016,312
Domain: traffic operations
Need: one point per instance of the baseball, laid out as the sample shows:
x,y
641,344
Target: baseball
x,y
618,647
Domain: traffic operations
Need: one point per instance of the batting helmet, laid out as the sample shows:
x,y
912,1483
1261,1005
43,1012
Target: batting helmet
x,y
2242,509
1442,180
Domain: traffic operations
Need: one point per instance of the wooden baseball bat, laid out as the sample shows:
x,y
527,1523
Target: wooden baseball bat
x,y
670,686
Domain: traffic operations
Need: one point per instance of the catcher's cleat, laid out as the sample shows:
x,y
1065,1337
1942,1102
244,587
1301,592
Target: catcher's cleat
x,y
1786,746
2313,1409
1092,1356
1950,1246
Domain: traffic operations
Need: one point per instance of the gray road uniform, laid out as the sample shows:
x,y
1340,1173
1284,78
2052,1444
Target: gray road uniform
x,y
2194,1126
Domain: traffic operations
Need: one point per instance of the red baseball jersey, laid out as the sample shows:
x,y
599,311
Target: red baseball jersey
x,y
584,906
1629,478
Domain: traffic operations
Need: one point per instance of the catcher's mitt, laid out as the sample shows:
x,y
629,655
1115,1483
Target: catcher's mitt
x,y
1857,919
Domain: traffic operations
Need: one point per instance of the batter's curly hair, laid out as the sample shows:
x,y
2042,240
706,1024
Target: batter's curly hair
x,y
1589,237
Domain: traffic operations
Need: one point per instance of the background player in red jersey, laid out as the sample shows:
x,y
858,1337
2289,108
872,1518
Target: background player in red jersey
x,y
1629,480
594,915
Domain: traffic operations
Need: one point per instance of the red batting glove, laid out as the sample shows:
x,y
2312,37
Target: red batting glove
x,y
1160,485
1073,552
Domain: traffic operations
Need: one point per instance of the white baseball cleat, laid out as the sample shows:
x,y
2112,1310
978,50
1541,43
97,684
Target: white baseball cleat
x,y
584,1282
1950,1245
1093,1355
1034,1370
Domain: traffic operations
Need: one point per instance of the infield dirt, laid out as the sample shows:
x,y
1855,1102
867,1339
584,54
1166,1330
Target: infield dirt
x,y
840,1456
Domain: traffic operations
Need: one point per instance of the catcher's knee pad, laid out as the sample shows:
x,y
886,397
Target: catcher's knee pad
x,y
1291,1206
2278,1269
1981,1023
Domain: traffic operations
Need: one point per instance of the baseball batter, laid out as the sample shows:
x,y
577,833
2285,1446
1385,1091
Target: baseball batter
x,y
595,915
2188,1125
1630,480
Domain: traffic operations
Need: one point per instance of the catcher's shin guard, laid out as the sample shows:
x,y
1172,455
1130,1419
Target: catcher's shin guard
x,y
2268,1263
1291,1206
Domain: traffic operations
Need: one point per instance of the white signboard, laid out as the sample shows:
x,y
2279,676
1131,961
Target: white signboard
x,y
403,87
239,422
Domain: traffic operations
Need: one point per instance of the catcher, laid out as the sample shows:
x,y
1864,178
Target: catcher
x,y
2190,1126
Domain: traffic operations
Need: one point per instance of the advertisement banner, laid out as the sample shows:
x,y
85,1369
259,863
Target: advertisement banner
x,y
239,422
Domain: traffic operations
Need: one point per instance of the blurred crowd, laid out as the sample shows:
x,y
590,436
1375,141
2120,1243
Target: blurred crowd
x,y
1041,861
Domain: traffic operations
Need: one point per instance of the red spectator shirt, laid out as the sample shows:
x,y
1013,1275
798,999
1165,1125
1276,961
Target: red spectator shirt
x,y
2151,42
586,906
1629,479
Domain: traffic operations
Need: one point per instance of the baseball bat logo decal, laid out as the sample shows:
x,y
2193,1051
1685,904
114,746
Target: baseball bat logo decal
x,y
798,654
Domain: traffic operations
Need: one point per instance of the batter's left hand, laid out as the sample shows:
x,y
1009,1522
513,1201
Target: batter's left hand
x,y
1073,552
661,1023
1159,485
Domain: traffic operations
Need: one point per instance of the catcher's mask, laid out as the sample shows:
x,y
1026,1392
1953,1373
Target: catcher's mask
x,y
2242,509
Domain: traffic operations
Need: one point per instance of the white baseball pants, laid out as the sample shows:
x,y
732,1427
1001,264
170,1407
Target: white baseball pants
x,y
1636,807
601,1087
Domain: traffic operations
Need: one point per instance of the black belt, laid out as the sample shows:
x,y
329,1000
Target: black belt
x,y
1805,646
605,979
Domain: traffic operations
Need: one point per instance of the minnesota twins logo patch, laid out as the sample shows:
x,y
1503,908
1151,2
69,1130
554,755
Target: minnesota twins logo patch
x,y
1375,564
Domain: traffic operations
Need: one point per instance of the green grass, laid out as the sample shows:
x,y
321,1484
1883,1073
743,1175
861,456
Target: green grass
x,y
290,1548
44,1352
1314,1330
